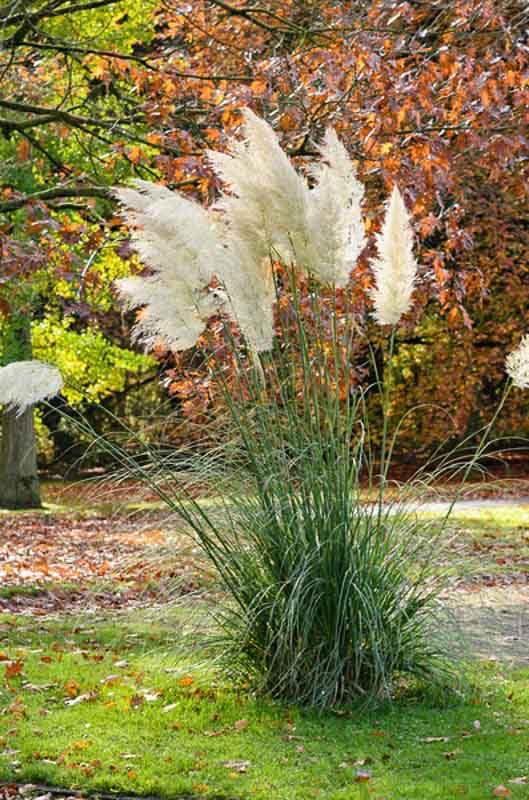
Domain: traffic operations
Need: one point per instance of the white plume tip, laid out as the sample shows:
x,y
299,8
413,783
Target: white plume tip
x,y
517,364
24,383
395,269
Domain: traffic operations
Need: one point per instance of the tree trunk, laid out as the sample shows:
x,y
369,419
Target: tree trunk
x,y
19,482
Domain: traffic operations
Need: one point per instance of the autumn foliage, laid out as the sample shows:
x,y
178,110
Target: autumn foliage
x,y
431,96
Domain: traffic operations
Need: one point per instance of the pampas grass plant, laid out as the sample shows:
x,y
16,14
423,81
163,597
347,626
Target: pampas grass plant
x,y
327,597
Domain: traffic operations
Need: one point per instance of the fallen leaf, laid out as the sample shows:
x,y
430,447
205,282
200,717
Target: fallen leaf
x,y
237,766
166,709
72,688
477,725
137,700
431,739
241,724
150,697
186,681
13,668
521,780
502,791
110,680
82,698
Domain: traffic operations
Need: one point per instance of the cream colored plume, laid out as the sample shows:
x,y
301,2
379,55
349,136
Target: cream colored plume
x,y
517,364
250,287
267,205
177,239
335,223
24,383
395,269
269,213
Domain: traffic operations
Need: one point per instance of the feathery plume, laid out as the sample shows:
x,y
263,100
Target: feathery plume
x,y
268,213
337,235
395,269
24,383
177,239
251,293
517,364
267,205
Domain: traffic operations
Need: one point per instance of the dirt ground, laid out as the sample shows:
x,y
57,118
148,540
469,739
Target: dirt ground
x,y
493,623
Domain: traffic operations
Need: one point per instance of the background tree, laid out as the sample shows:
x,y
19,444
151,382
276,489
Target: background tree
x,y
56,243
430,95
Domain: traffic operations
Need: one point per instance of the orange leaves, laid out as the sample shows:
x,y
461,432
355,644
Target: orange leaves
x,y
72,688
135,154
13,669
288,121
23,150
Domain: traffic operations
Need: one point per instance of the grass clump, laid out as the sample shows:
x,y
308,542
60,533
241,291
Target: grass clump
x,y
327,598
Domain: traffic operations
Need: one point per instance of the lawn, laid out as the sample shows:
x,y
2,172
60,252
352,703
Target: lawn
x,y
124,699
113,703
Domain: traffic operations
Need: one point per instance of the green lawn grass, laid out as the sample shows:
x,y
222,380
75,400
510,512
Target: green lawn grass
x,y
149,721
118,702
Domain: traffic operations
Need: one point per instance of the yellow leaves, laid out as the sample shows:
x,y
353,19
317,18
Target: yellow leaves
x,y
97,66
401,115
82,744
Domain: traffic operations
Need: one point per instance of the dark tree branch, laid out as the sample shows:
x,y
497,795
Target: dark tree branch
x,y
64,47
60,192
243,12
55,193
51,10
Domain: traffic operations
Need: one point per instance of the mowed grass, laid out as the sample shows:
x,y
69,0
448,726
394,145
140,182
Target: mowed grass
x,y
117,704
